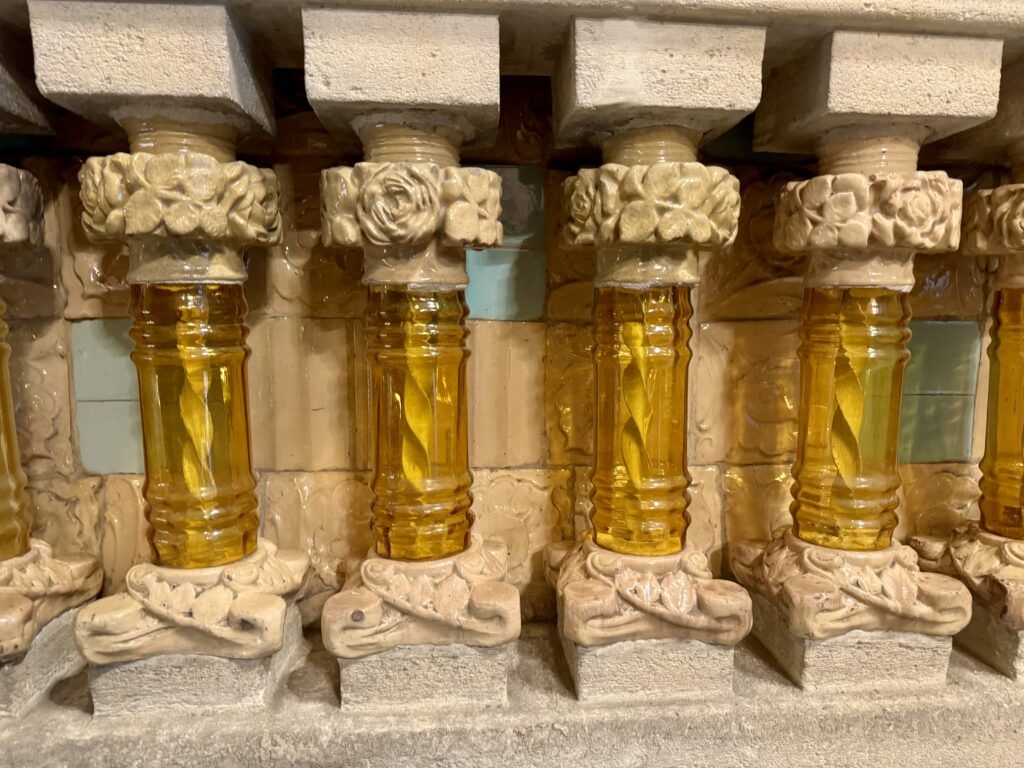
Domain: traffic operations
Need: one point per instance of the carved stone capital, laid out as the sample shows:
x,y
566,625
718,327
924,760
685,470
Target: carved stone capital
x,y
687,204
456,600
850,212
408,205
179,194
37,587
21,209
991,566
236,611
994,221
605,597
825,593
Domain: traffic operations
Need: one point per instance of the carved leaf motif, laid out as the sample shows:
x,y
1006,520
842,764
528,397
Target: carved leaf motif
x,y
678,593
212,606
451,597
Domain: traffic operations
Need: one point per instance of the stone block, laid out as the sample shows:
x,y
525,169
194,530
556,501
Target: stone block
x,y
650,671
994,642
621,73
179,683
21,108
856,661
931,85
51,657
435,677
444,66
108,60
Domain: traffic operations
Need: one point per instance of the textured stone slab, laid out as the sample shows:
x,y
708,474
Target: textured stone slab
x,y
856,661
51,657
427,676
177,683
995,643
650,671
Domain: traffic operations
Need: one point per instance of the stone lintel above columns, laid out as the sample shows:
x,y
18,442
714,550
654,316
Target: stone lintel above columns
x,y
108,61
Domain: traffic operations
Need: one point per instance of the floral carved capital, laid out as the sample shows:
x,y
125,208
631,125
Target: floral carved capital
x,y
994,221
236,611
37,587
853,211
460,599
605,597
685,203
825,593
410,204
179,194
21,209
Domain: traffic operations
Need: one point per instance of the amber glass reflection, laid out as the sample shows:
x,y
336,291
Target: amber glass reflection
x,y
191,357
421,475
640,478
852,355
1002,468
14,518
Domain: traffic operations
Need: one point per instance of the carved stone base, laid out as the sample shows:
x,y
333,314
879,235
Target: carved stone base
x,y
236,611
427,676
173,683
993,641
456,600
650,671
52,657
605,597
35,588
857,660
823,593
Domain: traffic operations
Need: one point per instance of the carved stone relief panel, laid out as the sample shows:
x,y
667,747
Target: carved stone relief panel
x,y
570,289
125,541
568,393
948,285
66,513
936,498
746,380
755,500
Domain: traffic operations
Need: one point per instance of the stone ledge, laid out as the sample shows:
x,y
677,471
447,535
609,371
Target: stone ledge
x,y
969,722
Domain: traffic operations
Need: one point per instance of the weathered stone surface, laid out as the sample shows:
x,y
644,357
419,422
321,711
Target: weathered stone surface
x,y
936,498
51,657
650,671
432,677
181,683
66,512
124,540
993,641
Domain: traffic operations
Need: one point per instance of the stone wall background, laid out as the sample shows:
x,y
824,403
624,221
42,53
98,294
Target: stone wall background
x,y
530,371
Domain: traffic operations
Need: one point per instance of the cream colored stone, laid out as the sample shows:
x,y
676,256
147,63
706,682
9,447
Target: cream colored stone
x,y
506,394
458,600
51,657
236,611
755,500
993,641
66,513
40,383
309,394
569,393
524,510
824,593
21,203
125,542
936,498
745,384
35,588
327,516
981,393
605,597
704,533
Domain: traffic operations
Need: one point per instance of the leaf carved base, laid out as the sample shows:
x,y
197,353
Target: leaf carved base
x,y
991,566
236,611
605,597
825,593
37,587
461,599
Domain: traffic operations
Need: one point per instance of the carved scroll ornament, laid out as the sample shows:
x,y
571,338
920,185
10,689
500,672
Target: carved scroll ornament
x,y
825,592
605,597
21,208
459,599
236,611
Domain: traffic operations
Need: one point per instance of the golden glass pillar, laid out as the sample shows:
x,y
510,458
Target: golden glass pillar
x,y
14,518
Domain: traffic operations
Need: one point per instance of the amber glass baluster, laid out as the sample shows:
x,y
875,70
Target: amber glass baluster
x,y
191,356
640,476
14,518
852,356
421,476
1002,468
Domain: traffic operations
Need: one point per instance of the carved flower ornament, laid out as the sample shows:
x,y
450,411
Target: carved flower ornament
x,y
20,207
995,220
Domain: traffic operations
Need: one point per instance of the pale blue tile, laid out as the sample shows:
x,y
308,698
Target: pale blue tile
x,y
936,428
522,204
103,369
506,284
110,437
943,358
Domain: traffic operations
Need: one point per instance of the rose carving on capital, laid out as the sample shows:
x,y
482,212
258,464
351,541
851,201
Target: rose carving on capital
x,y
994,221
180,194
409,204
685,203
21,208
910,212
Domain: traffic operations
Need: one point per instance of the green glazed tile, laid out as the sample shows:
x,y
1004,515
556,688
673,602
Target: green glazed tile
x,y
100,353
110,437
944,358
936,428
506,284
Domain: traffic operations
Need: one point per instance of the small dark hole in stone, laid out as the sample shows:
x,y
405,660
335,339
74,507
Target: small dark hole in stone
x,y
357,616
246,626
